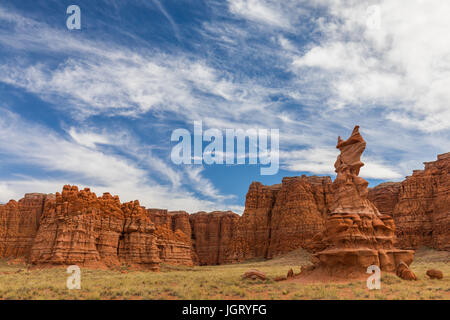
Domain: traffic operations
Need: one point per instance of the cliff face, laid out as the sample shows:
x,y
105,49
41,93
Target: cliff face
x,y
298,212
286,216
77,227
420,205
19,222
252,234
173,236
280,218
211,234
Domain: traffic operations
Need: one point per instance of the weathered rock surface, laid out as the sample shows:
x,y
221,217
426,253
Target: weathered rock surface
x,y
356,234
173,233
420,205
77,227
404,272
254,274
298,213
280,218
212,233
252,235
19,223
435,274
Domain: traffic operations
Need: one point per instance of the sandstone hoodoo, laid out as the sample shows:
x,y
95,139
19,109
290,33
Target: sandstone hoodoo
x,y
356,234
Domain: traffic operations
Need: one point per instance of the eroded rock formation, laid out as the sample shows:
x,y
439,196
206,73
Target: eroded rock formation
x,y
77,227
212,233
280,218
19,223
173,237
356,234
251,238
420,205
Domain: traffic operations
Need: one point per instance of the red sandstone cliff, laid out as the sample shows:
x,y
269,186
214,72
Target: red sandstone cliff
x,y
298,213
211,234
19,222
280,218
77,227
174,236
285,216
420,205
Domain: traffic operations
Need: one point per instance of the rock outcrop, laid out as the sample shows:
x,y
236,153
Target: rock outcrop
x,y
298,213
356,234
211,234
252,235
77,227
173,233
280,218
404,272
19,223
254,274
420,205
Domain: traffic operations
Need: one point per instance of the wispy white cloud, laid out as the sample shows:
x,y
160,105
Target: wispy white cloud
x,y
403,66
81,162
392,81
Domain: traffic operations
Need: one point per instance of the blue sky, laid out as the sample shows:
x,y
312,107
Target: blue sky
x,y
96,107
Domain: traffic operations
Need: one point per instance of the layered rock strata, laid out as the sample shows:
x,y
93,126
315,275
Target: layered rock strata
x,y
19,223
356,234
211,234
420,205
173,237
77,227
280,218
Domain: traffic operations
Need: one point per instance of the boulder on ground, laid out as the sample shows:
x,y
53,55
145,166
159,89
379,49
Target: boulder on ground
x,y
280,278
404,272
290,273
435,274
254,274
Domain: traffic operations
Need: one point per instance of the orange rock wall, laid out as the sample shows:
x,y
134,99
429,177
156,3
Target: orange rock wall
x,y
280,218
19,223
420,205
211,234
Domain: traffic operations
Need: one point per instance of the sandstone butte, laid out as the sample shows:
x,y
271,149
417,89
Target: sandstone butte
x,y
77,227
286,216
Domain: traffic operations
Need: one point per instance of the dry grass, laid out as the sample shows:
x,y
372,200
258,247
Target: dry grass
x,y
220,282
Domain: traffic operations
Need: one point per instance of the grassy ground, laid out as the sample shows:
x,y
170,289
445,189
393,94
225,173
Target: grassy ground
x,y
220,282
